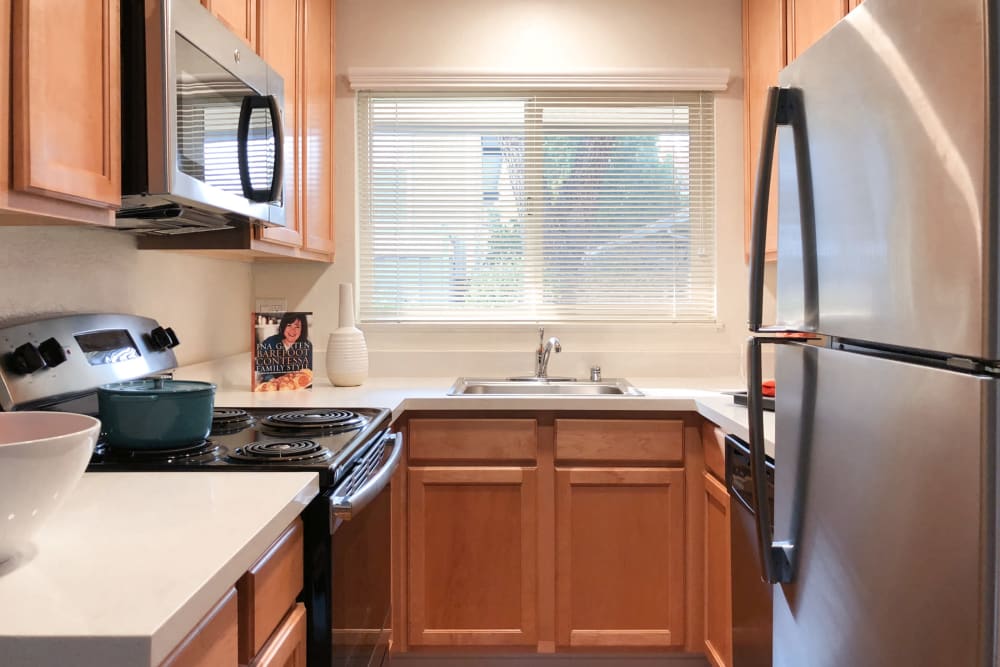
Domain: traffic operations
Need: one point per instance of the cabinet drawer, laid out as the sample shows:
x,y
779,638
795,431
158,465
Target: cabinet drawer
x,y
213,641
268,590
467,440
645,441
287,648
714,441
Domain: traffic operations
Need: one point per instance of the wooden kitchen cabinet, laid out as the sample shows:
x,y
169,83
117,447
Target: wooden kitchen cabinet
x,y
718,578
620,557
775,32
60,136
268,591
240,16
296,37
549,531
287,647
472,548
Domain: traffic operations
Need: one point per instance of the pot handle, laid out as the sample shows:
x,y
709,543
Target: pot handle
x,y
135,398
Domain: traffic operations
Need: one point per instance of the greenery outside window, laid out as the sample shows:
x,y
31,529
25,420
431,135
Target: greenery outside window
x,y
529,207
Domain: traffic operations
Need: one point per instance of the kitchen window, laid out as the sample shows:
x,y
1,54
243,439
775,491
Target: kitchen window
x,y
508,207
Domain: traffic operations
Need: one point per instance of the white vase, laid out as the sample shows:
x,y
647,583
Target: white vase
x,y
346,350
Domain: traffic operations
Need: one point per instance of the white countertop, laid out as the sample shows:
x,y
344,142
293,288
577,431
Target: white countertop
x,y
399,394
132,561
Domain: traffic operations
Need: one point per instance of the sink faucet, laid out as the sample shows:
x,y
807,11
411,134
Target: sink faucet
x,y
545,348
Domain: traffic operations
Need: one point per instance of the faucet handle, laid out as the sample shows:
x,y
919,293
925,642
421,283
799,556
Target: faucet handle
x,y
541,335
595,373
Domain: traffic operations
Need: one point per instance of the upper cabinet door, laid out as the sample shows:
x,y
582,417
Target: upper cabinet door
x,y
317,126
808,20
240,16
281,24
66,100
763,58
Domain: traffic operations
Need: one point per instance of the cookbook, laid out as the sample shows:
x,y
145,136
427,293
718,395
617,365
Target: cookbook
x,y
281,354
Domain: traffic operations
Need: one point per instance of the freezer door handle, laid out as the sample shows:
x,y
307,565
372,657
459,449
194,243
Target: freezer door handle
x,y
784,107
776,558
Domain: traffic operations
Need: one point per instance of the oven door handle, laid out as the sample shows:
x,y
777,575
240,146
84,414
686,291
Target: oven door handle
x,y
345,507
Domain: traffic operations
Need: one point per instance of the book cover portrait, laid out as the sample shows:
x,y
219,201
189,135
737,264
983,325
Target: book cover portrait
x,y
282,354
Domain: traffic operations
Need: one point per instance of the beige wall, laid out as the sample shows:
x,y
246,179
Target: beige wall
x,y
546,36
57,270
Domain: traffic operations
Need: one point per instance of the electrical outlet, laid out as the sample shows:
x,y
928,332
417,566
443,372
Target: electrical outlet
x,y
271,306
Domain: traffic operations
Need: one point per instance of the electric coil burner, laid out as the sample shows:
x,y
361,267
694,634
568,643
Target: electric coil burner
x,y
312,421
278,452
199,452
229,420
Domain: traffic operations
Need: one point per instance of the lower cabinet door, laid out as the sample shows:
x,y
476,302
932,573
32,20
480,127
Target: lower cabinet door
x,y
472,541
620,557
718,577
287,646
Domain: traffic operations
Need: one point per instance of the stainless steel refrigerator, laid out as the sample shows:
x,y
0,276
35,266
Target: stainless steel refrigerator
x,y
883,542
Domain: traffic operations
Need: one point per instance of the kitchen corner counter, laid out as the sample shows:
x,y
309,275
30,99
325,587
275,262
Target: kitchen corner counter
x,y
399,394
126,568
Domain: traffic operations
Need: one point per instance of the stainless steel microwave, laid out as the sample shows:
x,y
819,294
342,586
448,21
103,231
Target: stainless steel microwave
x,y
202,140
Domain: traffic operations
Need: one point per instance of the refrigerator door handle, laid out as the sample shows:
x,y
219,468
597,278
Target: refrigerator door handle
x,y
784,107
776,557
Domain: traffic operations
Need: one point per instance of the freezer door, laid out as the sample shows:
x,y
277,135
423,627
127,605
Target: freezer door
x,y
895,102
885,484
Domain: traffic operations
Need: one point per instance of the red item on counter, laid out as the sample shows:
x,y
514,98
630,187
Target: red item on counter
x,y
767,388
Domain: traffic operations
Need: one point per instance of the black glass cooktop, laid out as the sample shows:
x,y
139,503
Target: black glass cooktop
x,y
321,440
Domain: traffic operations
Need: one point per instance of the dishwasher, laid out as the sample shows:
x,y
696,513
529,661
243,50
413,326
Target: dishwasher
x,y
751,594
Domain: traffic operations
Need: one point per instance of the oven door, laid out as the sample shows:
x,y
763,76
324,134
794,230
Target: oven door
x,y
214,116
361,565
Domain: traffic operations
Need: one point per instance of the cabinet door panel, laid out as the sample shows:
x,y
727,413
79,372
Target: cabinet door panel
x,y
763,58
473,556
287,646
240,16
808,20
66,100
718,587
620,557
317,126
280,27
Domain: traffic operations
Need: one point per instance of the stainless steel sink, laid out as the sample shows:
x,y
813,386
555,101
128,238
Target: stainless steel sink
x,y
535,387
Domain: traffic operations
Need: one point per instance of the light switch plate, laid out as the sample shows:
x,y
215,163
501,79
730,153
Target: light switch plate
x,y
271,305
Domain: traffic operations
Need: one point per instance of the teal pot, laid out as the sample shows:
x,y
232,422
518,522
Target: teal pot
x,y
156,414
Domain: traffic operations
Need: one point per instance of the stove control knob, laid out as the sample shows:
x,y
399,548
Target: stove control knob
x,y
26,359
174,341
159,338
52,352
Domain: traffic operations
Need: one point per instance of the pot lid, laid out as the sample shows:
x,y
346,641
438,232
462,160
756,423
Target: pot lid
x,y
158,386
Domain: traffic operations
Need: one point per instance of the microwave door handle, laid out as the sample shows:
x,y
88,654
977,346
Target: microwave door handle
x,y
251,102
278,131
345,507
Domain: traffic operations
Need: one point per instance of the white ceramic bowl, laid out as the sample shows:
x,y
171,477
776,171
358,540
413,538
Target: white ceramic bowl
x,y
42,457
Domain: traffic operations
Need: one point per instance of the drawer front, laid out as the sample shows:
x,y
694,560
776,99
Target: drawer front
x,y
641,441
473,440
287,648
268,590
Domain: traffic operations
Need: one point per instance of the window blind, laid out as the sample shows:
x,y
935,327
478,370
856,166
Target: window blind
x,y
531,207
